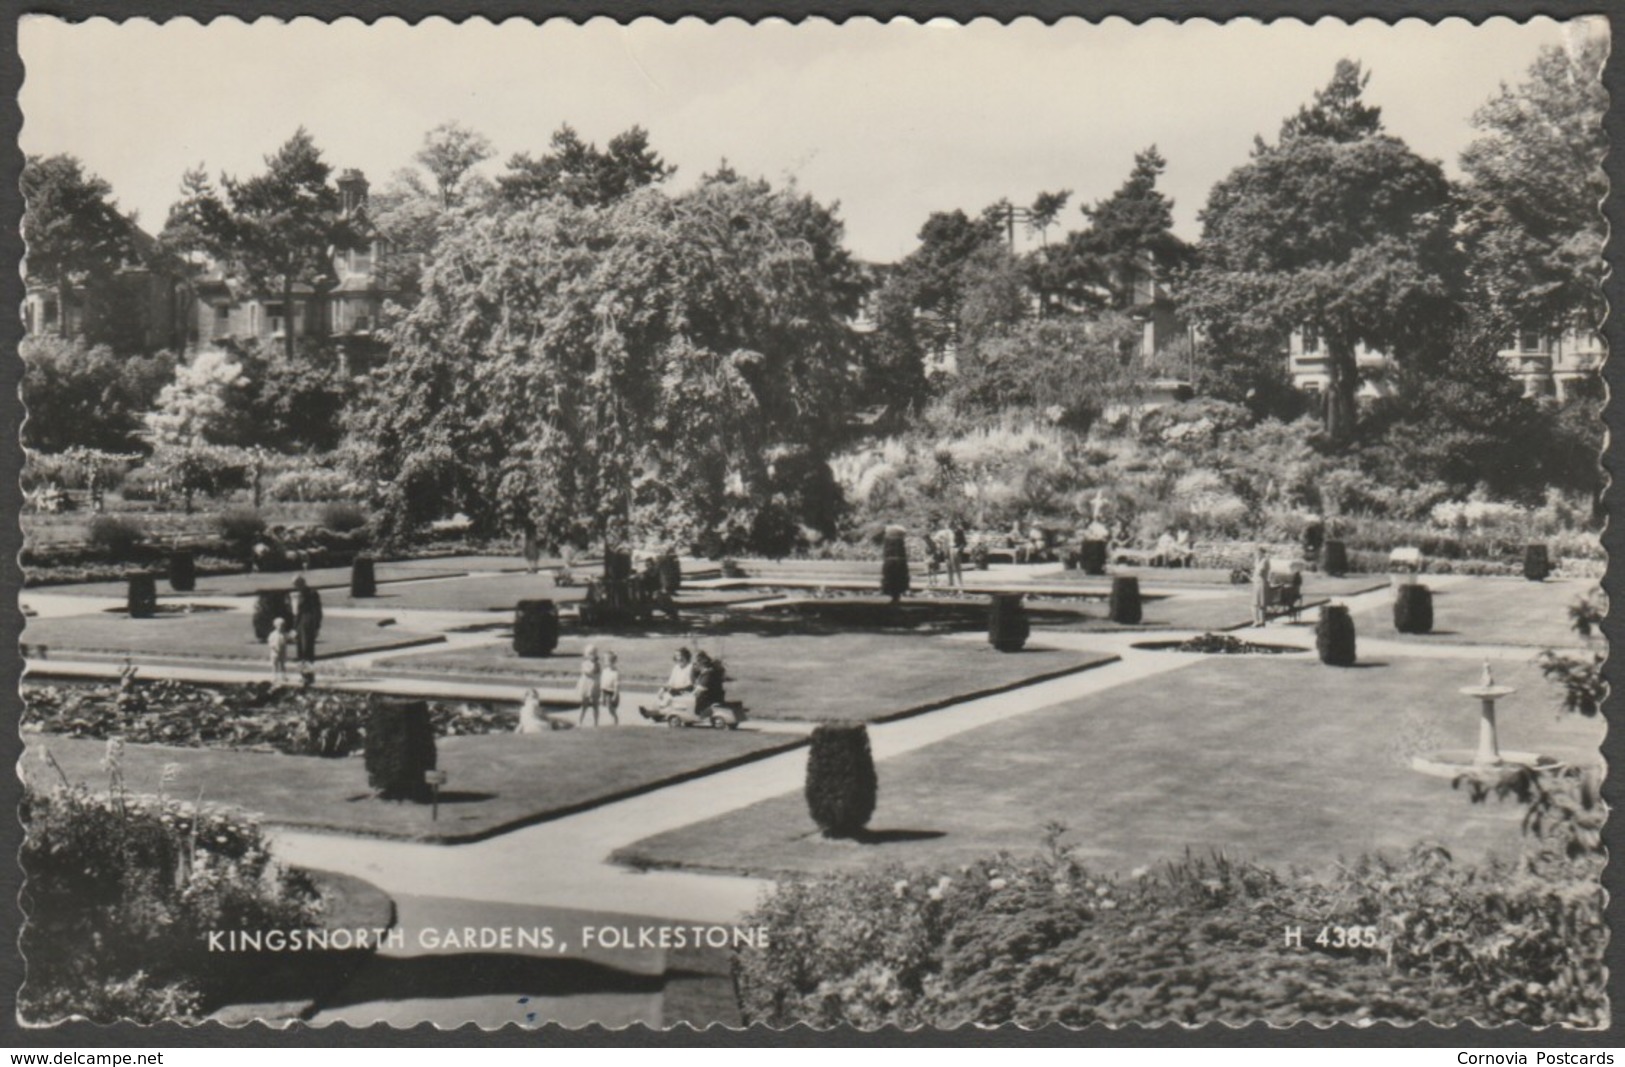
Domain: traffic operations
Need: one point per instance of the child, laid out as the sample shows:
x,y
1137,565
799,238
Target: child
x,y
587,690
530,713
609,689
277,641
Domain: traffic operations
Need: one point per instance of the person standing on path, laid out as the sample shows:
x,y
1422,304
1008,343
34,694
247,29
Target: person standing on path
x,y
307,625
587,685
532,551
609,689
277,642
948,542
1261,586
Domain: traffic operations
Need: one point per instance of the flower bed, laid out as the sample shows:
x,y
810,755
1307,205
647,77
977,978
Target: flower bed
x,y
260,716
1211,644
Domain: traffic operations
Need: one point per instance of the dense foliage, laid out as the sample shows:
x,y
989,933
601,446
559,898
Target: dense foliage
x,y
87,397
121,892
617,371
1040,940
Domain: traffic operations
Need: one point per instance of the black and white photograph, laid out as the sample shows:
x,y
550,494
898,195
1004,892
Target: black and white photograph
x,y
867,524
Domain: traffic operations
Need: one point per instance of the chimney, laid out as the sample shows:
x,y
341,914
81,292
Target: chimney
x,y
352,190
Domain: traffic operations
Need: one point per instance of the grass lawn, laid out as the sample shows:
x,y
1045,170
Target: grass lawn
x,y
323,578
496,781
1492,611
865,676
489,593
1277,759
215,635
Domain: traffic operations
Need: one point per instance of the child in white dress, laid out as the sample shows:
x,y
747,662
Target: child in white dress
x,y
587,686
277,642
609,688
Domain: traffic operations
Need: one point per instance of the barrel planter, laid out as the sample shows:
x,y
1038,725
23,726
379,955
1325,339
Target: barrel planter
x,y
671,574
535,628
142,601
400,749
1125,601
270,605
1537,563
1334,559
1092,557
894,563
1334,636
1314,537
1007,625
1413,609
363,578
182,572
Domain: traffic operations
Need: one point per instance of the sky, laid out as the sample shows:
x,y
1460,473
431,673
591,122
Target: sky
x,y
891,120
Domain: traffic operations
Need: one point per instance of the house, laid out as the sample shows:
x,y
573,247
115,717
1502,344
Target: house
x,y
1547,365
141,307
345,305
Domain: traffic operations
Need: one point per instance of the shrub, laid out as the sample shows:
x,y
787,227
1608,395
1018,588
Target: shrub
x,y
270,605
1413,609
1334,636
239,526
363,579
1125,601
142,601
1007,625
116,535
535,628
182,572
142,485
841,781
1092,557
1334,558
1537,563
671,574
1045,940
342,517
121,892
308,484
399,749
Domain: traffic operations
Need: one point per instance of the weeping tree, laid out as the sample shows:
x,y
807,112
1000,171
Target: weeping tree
x,y
617,371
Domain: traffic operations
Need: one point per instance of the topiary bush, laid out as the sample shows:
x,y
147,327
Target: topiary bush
x,y
535,628
1334,636
1334,558
841,780
399,749
239,526
1007,625
1537,563
363,578
142,601
671,574
182,572
1413,609
116,536
1125,601
270,605
1092,557
342,517
894,563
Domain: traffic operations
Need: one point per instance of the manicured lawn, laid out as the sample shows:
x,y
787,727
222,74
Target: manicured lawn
x,y
1492,611
214,635
323,578
489,593
790,676
495,782
1277,759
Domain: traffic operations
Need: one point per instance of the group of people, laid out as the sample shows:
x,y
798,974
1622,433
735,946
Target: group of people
x,y
307,625
945,552
694,684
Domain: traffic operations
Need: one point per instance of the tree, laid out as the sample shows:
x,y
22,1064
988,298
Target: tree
x,y
1066,368
88,397
1045,211
276,231
1534,225
581,173
1337,230
197,408
449,152
73,232
617,371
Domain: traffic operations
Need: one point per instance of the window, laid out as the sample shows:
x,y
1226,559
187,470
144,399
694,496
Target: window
x,y
222,320
1529,341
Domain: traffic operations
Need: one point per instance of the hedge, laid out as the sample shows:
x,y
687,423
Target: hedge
x,y
1125,601
1007,625
1413,609
400,749
1334,636
142,602
535,628
1092,557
